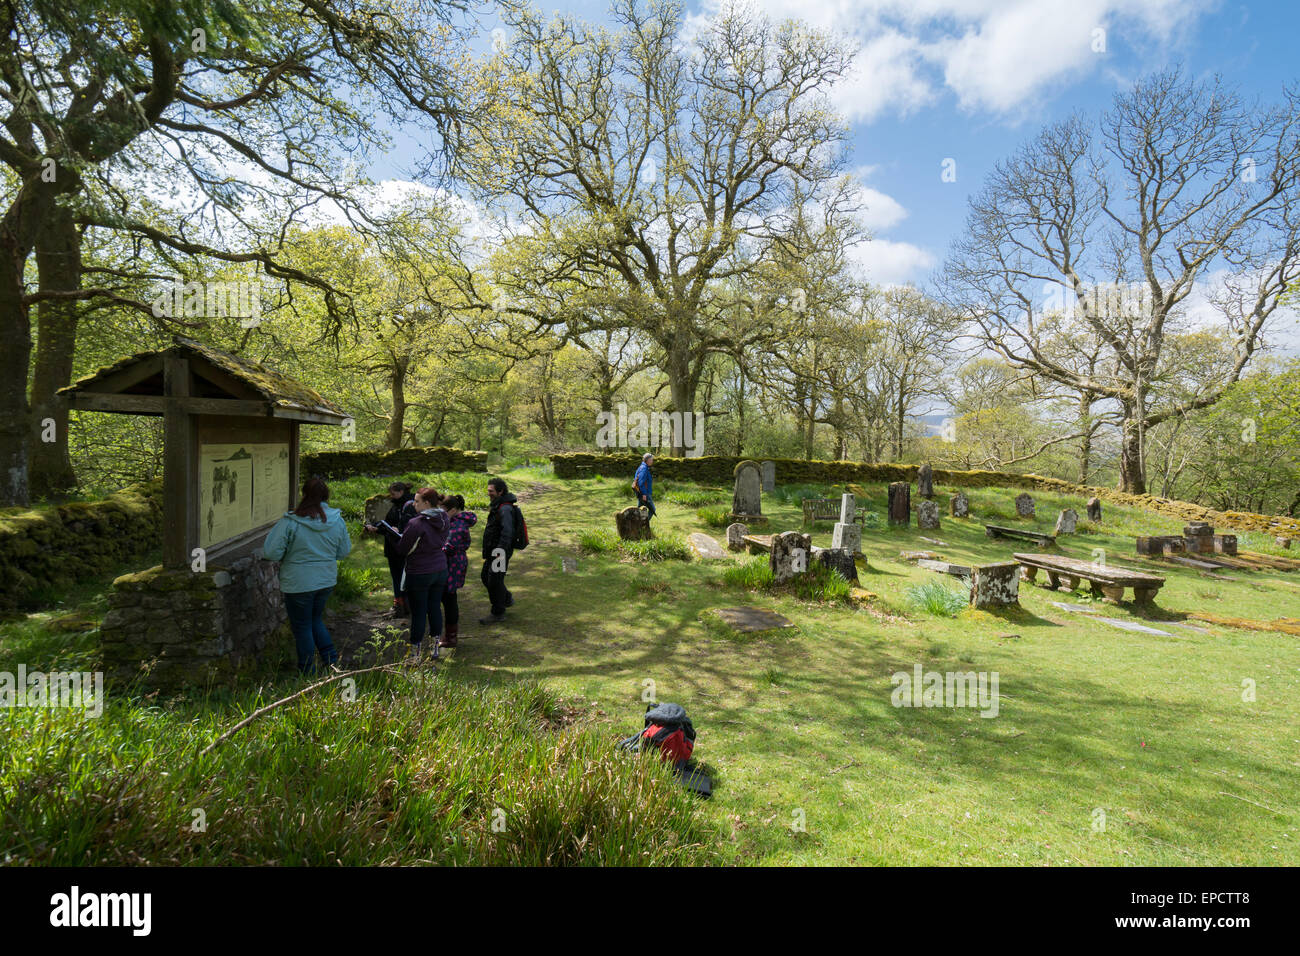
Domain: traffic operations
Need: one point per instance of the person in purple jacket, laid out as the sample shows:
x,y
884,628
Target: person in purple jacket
x,y
426,569
458,540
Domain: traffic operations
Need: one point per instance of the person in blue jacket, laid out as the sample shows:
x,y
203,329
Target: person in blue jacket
x,y
644,484
309,542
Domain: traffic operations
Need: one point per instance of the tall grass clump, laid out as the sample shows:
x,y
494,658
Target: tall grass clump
x,y
754,574
416,769
818,583
668,547
697,497
935,597
715,516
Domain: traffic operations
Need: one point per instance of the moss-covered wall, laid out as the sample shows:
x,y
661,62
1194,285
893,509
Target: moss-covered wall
x,y
59,545
349,464
718,470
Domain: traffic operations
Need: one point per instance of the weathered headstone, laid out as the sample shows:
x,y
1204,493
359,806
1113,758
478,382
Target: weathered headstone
x,y
925,481
959,505
769,476
1094,509
1066,521
569,565
633,524
705,548
848,508
790,554
900,504
736,536
927,515
1024,505
1199,536
847,537
837,559
747,500
995,585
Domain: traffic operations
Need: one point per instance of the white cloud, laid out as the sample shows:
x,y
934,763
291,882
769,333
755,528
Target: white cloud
x,y
995,55
893,263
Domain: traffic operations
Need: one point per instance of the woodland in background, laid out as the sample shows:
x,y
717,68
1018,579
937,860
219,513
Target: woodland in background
x,y
607,218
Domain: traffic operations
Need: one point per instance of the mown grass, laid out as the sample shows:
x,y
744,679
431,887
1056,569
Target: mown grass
x,y
1155,730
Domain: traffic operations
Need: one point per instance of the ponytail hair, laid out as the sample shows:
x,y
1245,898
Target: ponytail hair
x,y
314,493
403,486
453,501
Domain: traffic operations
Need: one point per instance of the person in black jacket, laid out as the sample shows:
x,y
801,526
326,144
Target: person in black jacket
x,y
498,546
400,512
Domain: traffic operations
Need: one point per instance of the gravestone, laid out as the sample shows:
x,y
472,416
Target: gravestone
x,y
705,548
925,481
1283,543
900,504
959,505
633,524
1094,509
747,501
790,554
1024,505
736,536
750,620
927,515
1066,521
769,476
1199,536
837,559
569,565
847,537
848,507
995,585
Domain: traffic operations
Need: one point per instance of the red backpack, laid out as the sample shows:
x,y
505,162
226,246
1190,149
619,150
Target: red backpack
x,y
668,730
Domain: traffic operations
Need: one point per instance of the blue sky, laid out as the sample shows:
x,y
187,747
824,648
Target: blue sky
x,y
971,80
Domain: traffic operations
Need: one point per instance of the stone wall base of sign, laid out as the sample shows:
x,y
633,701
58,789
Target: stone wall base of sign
x,y
171,628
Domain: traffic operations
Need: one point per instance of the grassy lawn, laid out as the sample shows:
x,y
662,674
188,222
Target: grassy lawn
x,y
811,762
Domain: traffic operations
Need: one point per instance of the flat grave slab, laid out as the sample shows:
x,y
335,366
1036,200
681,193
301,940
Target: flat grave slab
x,y
758,543
750,620
1108,581
944,567
999,531
705,548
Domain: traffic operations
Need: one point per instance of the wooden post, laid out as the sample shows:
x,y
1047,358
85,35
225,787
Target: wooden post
x,y
294,483
180,489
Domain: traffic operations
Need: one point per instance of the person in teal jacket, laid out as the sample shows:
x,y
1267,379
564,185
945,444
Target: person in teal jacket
x,y
309,542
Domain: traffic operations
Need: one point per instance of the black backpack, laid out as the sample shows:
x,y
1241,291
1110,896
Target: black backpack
x,y
521,530
668,730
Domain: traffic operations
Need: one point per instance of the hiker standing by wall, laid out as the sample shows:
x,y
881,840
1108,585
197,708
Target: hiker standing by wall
x,y
498,546
400,512
644,484
309,542
426,569
456,549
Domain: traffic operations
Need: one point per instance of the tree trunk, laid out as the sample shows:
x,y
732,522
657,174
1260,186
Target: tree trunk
x,y
681,385
397,421
740,414
1131,477
58,263
1085,444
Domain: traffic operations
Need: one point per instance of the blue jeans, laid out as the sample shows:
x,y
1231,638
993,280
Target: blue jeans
x,y
307,620
424,598
645,500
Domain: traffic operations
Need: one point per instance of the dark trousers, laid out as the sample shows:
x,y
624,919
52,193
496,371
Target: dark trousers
x,y
450,609
646,502
396,563
495,582
424,595
307,621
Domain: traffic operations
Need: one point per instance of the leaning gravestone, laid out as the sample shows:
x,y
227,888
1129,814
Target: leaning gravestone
x,y
1024,505
769,476
633,524
838,559
995,585
927,515
1066,521
736,536
900,504
1094,509
747,500
925,481
790,554
959,505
